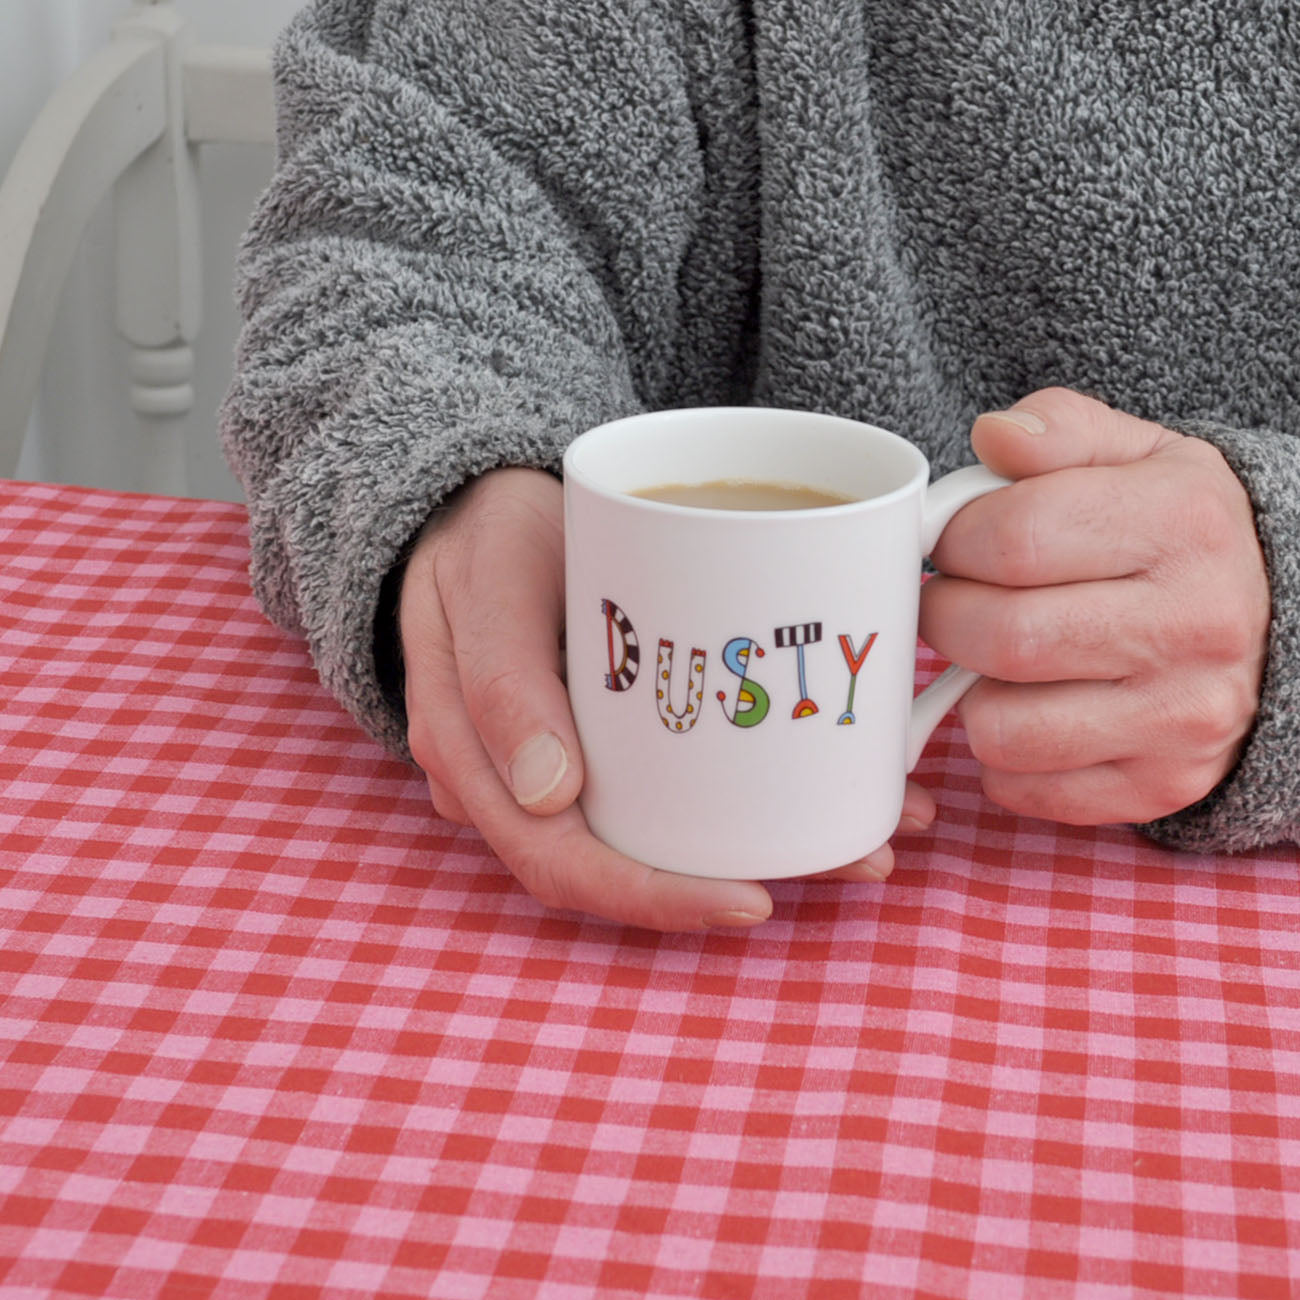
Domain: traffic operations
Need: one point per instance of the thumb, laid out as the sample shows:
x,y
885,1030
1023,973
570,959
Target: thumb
x,y
1057,428
502,591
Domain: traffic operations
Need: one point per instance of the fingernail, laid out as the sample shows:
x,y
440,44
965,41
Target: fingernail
x,y
1027,420
537,768
732,918
909,823
873,875
878,865
860,871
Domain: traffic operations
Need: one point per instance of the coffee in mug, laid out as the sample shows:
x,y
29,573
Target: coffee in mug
x,y
742,494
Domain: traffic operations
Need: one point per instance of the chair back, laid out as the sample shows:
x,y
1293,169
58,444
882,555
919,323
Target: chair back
x,y
129,121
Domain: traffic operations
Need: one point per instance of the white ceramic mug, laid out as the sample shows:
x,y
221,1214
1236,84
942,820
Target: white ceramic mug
x,y
742,681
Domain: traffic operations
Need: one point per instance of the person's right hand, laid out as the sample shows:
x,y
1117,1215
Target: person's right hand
x,y
481,620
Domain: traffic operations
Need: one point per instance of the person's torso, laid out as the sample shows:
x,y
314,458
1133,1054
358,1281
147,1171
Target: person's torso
x,y
962,202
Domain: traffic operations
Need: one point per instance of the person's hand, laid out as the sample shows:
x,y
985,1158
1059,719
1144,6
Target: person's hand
x,y
1116,599
481,620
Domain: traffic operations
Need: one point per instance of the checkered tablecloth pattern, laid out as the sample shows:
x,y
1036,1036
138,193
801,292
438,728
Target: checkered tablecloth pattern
x,y
270,1029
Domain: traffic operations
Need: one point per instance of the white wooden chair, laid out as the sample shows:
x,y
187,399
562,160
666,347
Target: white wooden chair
x,y
130,120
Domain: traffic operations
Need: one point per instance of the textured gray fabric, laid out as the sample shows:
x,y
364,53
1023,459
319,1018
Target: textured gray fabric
x,y
497,222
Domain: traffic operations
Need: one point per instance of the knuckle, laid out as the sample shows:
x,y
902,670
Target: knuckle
x,y
447,807
1087,631
432,694
547,888
1224,625
1172,787
496,691
1020,647
1163,791
420,740
1219,715
446,803
565,872
1015,541
986,733
1224,640
548,873
1014,737
1046,637
1027,799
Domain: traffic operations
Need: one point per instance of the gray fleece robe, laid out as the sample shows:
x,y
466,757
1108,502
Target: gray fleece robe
x,y
495,223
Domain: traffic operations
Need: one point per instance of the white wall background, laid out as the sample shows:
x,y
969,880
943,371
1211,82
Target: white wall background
x,y
83,430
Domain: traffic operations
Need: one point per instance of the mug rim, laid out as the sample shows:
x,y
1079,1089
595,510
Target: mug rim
x,y
573,471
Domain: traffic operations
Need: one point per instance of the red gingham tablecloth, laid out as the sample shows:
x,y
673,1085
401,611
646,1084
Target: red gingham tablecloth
x,y
270,1029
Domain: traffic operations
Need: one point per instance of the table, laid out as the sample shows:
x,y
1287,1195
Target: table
x,y
271,1029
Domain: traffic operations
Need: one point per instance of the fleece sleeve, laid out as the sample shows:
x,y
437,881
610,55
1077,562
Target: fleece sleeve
x,y
1259,802
467,254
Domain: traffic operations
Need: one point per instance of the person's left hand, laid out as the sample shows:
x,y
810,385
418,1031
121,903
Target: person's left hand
x,y
1116,600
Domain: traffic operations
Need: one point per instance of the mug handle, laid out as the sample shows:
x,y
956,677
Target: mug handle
x,y
942,500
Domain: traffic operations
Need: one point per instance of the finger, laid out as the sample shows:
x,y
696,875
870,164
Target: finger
x,y
1107,793
1092,631
445,804
1200,719
555,858
560,862
500,581
1055,428
564,866
872,869
1074,525
432,696
919,810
